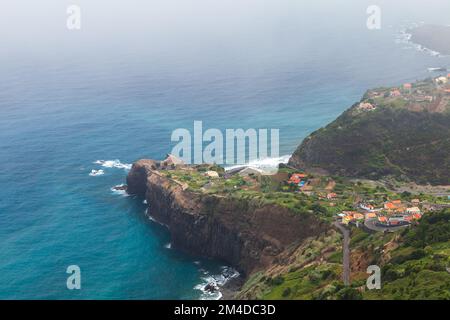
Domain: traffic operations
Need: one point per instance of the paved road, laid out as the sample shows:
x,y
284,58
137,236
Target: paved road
x,y
345,253
372,224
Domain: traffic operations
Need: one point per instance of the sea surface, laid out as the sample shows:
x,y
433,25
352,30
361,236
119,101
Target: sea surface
x,y
74,103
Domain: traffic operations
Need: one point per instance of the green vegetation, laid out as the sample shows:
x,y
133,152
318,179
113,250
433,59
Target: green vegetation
x,y
406,136
420,267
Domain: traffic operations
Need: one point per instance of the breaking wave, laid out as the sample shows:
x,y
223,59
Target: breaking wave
x,y
266,165
119,190
216,281
113,164
403,37
95,173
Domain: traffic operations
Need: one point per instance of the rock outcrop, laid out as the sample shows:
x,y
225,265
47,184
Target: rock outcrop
x,y
244,233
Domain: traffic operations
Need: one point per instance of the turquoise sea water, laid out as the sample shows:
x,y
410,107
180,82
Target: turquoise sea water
x,y
62,111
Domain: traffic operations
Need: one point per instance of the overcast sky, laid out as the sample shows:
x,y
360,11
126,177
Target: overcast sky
x,y
39,27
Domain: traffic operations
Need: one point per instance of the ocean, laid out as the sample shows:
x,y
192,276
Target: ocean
x,y
74,103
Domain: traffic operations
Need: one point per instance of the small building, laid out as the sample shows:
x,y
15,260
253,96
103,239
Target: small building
x,y
358,216
413,210
331,195
366,206
297,179
407,86
394,205
371,215
212,174
383,219
415,201
441,80
390,206
366,106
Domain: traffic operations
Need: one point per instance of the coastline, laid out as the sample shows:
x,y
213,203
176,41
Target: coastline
x,y
432,38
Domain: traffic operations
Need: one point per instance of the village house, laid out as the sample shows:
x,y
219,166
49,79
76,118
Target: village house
x,y
413,210
370,215
366,106
383,220
367,206
331,196
349,216
211,174
441,80
298,179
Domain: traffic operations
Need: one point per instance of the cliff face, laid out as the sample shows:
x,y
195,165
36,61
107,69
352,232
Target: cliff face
x,y
243,233
384,142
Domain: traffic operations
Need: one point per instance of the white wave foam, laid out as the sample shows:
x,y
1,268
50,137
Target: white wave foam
x,y
119,191
95,173
154,220
217,281
403,37
168,246
113,164
266,165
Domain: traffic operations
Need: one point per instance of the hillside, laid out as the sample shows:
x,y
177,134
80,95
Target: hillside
x,y
414,265
402,132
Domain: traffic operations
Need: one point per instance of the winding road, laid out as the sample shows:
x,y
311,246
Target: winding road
x,y
345,253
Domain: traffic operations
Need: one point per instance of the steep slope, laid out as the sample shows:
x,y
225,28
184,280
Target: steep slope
x,y
399,137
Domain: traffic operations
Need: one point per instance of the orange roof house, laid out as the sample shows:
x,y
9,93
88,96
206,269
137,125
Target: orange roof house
x,y
371,215
331,195
299,175
296,178
382,219
390,206
358,216
393,205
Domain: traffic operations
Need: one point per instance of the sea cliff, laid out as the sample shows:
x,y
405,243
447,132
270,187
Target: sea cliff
x,y
245,233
